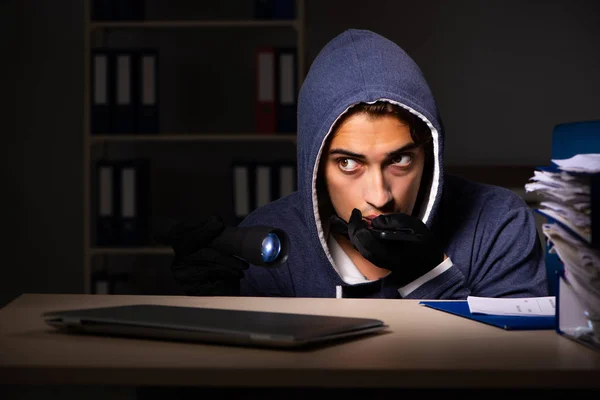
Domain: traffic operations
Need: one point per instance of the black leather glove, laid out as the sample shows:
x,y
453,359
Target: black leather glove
x,y
398,242
199,269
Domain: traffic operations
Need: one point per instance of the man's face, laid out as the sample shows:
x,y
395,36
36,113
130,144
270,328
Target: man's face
x,y
374,165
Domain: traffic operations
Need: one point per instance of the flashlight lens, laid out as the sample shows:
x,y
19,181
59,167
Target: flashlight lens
x,y
271,247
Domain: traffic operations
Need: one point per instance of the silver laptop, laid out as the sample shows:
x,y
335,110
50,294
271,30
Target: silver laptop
x,y
212,325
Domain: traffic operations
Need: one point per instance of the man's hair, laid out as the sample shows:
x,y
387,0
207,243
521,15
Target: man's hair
x,y
419,132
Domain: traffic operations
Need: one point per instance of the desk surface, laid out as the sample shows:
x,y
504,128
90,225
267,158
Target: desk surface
x,y
423,348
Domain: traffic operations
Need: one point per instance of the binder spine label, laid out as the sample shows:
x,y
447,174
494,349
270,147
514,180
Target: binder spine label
x,y
100,79
241,191
286,75
128,190
105,208
148,79
124,80
263,185
265,77
286,181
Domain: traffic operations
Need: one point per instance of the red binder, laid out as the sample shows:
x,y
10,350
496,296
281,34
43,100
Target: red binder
x,y
265,90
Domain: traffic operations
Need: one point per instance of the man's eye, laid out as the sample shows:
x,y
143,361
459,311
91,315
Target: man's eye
x,y
347,164
403,160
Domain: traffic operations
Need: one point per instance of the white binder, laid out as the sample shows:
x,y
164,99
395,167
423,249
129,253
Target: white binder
x,y
572,319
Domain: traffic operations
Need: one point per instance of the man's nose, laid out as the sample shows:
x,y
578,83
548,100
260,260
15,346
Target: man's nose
x,y
377,191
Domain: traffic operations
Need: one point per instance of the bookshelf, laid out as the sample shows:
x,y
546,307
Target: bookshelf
x,y
204,137
145,250
96,34
195,24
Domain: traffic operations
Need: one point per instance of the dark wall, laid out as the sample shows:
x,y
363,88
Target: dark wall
x,y
42,76
504,73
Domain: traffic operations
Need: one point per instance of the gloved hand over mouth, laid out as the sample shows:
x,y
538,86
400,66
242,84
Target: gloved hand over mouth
x,y
398,242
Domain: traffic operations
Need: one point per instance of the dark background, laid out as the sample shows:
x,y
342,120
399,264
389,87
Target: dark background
x,y
504,73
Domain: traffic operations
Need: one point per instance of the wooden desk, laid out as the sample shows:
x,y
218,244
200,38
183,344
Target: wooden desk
x,y
424,348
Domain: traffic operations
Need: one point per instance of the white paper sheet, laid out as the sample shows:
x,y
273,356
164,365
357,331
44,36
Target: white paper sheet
x,y
580,163
513,306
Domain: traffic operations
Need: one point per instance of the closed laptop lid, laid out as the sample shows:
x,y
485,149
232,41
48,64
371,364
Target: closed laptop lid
x,y
212,324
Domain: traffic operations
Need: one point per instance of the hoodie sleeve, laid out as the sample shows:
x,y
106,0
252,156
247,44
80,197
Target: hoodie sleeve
x,y
506,261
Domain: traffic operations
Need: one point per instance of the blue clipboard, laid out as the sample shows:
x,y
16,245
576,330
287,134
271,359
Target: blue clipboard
x,y
461,308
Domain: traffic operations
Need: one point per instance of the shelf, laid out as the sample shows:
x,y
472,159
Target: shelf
x,y
196,24
99,34
194,137
130,250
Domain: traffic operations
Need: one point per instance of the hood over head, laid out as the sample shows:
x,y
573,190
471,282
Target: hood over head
x,y
360,66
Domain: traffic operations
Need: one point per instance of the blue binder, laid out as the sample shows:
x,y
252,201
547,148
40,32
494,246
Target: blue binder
x,y
284,9
571,138
461,309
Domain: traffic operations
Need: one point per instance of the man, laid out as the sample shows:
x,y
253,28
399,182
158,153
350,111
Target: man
x,y
374,214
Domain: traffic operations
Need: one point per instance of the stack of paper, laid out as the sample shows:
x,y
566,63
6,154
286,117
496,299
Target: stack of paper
x,y
566,190
566,198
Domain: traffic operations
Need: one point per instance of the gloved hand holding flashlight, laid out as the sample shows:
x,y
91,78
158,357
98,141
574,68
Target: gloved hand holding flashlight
x,y
210,257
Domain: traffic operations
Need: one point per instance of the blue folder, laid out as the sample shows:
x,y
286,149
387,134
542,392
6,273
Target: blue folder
x,y
461,308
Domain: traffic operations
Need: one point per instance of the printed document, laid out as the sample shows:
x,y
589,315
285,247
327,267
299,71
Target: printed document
x,y
532,306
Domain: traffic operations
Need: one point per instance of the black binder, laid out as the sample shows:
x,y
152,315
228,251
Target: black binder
x,y
107,204
129,10
274,9
243,189
146,77
102,10
263,9
286,89
124,110
283,179
134,204
117,10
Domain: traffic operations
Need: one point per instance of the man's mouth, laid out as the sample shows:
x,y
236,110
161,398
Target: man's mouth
x,y
369,219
